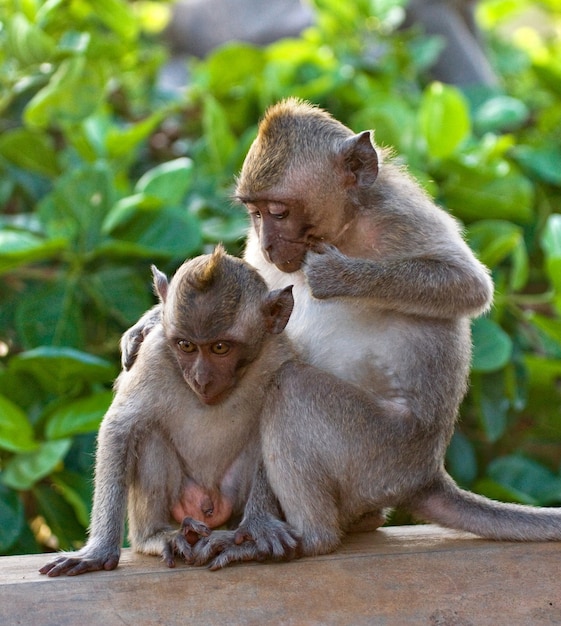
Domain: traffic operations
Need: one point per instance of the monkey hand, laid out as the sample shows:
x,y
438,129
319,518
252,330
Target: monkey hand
x,y
133,337
88,559
257,539
181,541
325,271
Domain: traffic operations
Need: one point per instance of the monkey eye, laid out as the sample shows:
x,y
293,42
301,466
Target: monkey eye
x,y
220,347
278,210
186,346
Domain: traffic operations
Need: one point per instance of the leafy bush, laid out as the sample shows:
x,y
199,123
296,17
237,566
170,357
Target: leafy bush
x,y
102,174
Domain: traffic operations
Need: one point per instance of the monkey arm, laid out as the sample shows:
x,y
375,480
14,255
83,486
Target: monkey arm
x,y
418,286
103,549
135,335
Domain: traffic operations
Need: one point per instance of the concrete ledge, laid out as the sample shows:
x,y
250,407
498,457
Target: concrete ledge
x,y
399,575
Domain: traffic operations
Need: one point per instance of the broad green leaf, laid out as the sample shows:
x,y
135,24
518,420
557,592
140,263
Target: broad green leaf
x,y
77,491
79,416
62,370
117,15
493,403
494,490
123,141
78,205
553,267
74,91
218,134
499,114
550,326
21,248
527,476
24,470
26,42
479,192
16,434
53,316
144,229
542,162
123,292
461,461
30,150
12,518
443,119
225,229
544,397
492,347
168,182
551,245
60,516
496,240
551,238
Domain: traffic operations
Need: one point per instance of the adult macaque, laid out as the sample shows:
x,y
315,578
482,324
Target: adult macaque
x,y
185,419
384,288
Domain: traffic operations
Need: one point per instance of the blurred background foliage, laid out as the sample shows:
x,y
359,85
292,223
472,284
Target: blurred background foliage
x,y
102,172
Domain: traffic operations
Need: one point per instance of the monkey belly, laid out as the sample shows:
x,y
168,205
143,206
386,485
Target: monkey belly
x,y
352,341
392,356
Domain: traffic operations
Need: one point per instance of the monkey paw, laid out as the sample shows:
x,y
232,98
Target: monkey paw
x,y
324,271
83,561
180,542
257,539
132,338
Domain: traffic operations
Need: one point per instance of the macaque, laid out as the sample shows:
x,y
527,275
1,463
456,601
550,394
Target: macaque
x,y
384,288
185,420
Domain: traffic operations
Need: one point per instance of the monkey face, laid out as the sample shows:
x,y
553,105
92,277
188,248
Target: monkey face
x,y
211,369
283,232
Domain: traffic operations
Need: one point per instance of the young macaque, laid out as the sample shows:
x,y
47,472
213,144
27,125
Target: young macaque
x,y
185,421
384,289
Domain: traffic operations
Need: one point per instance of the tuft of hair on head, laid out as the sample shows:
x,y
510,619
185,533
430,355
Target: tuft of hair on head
x,y
203,276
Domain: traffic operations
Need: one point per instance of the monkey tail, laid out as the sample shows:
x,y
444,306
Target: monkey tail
x,y
446,504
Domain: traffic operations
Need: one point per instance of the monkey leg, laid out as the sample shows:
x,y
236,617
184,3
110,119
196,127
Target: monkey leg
x,y
368,522
157,483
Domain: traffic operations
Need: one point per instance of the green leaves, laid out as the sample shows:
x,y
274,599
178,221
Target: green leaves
x,y
80,416
492,346
16,434
443,119
24,470
74,91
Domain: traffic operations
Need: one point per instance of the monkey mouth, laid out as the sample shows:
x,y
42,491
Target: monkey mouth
x,y
213,398
291,264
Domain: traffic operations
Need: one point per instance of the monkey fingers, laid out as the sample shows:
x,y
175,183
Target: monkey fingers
x,y
277,544
236,554
272,537
193,530
74,565
323,269
208,547
180,541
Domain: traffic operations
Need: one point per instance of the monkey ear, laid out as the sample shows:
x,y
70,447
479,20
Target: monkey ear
x,y
360,160
277,309
160,283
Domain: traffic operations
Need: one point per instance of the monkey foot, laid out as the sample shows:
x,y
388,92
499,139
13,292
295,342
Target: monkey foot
x,y
257,540
180,542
